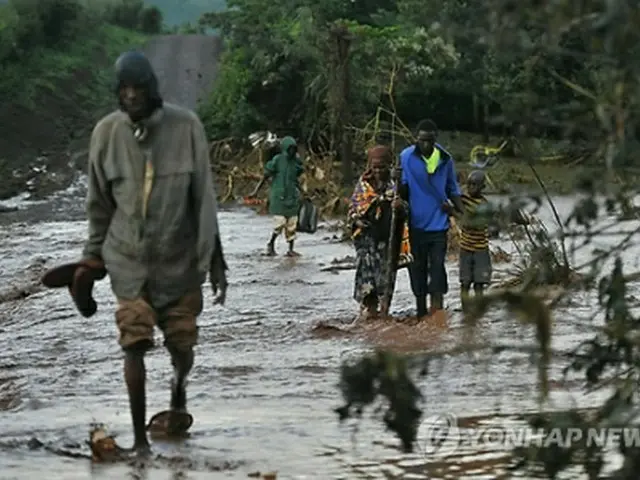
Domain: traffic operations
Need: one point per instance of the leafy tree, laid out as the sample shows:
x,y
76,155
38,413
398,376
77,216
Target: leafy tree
x,y
287,66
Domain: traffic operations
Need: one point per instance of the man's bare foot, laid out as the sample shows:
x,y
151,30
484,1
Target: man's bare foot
x,y
142,449
439,317
367,313
435,318
292,253
271,251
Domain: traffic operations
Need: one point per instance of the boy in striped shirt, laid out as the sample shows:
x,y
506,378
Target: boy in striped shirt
x,y
475,258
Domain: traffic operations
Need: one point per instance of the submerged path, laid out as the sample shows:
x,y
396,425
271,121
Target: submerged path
x,y
263,389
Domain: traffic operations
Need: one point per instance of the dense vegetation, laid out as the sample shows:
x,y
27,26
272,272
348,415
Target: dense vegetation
x,y
56,59
324,70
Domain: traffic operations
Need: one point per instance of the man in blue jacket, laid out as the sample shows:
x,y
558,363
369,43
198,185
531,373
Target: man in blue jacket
x,y
428,183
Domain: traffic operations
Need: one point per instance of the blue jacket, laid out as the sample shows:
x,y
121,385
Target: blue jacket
x,y
427,192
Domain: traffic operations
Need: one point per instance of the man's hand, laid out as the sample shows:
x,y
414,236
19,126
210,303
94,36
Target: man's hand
x,y
217,275
218,279
397,203
79,278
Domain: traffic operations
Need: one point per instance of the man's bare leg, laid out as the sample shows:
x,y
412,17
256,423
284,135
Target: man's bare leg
x,y
292,252
135,378
464,296
437,302
384,309
182,361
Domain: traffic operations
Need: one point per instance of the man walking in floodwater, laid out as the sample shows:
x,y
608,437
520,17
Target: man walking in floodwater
x,y
153,227
428,182
284,169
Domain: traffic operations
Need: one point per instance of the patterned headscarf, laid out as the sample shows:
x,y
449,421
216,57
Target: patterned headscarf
x,y
378,151
364,194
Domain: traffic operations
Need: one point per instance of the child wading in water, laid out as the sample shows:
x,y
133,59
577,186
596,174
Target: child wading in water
x,y
475,257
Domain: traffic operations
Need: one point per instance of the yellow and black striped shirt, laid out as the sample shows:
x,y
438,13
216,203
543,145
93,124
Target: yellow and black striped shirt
x,y
472,238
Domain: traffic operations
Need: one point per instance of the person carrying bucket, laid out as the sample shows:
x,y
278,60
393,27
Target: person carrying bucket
x,y
284,169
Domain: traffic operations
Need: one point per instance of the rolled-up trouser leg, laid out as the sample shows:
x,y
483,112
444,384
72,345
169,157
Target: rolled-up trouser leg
x,y
135,320
279,224
178,322
290,228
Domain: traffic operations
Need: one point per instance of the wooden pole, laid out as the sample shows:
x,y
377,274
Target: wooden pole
x,y
391,250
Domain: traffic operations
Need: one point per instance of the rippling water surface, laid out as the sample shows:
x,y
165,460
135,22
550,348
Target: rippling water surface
x,y
263,388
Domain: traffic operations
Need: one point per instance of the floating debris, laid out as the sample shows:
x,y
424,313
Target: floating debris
x,y
264,476
103,446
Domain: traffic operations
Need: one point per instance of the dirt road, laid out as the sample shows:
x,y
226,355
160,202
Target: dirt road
x,y
186,66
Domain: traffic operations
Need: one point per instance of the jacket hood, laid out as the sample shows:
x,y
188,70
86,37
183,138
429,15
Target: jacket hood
x,y
134,68
287,142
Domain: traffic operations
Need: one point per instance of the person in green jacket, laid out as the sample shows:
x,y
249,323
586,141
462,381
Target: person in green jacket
x,y
284,169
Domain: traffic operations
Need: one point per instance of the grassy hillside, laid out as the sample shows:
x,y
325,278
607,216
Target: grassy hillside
x,y
52,93
177,12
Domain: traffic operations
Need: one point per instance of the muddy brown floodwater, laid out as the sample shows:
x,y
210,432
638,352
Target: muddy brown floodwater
x,y
263,389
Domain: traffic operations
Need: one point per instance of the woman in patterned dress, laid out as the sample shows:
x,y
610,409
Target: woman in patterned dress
x,y
370,219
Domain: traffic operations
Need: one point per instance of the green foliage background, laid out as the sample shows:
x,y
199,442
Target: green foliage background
x,y
464,64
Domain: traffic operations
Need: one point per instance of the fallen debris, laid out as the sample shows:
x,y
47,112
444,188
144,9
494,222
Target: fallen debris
x,y
263,476
103,446
339,264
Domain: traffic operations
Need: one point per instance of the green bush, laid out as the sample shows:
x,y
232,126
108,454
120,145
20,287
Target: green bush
x,y
28,24
8,28
133,14
150,20
44,22
125,13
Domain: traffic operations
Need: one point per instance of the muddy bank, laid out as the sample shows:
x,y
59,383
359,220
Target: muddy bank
x,y
52,99
46,144
264,386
